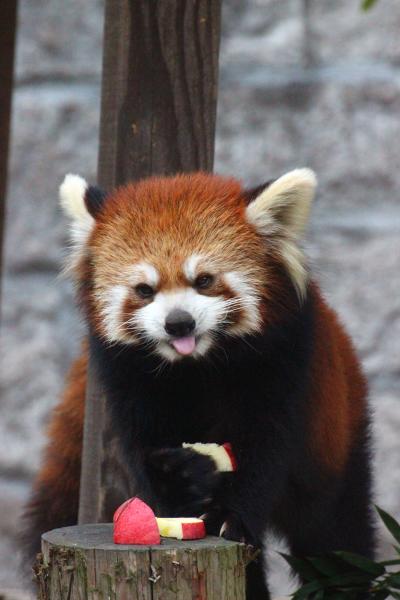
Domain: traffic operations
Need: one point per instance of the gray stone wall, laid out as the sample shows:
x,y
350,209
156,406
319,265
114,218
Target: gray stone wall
x,y
309,82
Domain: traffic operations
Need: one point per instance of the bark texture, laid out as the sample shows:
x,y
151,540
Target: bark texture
x,y
82,563
158,111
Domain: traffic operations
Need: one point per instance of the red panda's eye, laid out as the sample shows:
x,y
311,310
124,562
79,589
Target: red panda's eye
x,y
202,282
144,291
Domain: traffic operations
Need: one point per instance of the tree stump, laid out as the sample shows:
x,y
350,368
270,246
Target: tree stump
x,y
83,563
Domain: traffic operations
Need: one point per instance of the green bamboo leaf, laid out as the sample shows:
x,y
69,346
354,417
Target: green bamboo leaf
x,y
327,565
334,596
349,579
304,592
301,566
395,595
389,563
390,523
367,4
347,593
318,595
381,595
393,581
363,563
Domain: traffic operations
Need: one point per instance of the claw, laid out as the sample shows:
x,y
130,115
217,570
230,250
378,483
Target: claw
x,y
223,529
203,516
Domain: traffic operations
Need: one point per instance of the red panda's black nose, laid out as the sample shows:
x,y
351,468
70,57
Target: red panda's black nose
x,y
179,323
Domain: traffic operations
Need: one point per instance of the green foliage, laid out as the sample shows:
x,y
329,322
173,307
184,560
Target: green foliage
x,y
390,523
367,4
340,575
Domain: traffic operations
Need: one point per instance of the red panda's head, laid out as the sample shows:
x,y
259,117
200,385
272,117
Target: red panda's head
x,y
187,261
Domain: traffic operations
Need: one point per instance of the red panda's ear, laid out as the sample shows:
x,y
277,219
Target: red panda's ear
x,y
251,194
281,209
94,199
72,197
283,204
81,203
80,200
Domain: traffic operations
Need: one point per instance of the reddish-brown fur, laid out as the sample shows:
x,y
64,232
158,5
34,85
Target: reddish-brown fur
x,y
164,225
336,380
339,391
60,472
163,222
130,229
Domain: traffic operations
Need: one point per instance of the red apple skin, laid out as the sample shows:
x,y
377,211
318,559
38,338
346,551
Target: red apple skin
x,y
135,523
228,449
193,531
121,508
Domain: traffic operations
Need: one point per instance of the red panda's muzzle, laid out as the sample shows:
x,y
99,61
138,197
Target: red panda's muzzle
x,y
181,325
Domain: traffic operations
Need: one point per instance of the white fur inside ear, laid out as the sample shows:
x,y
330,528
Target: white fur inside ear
x,y
285,204
282,211
72,197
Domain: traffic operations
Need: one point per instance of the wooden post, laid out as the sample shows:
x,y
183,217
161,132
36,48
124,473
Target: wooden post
x,y
159,92
8,25
81,563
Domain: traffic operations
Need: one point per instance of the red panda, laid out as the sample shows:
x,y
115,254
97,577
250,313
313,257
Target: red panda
x,y
206,326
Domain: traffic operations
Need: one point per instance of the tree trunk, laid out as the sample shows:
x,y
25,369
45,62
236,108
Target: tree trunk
x,y
8,25
82,563
159,93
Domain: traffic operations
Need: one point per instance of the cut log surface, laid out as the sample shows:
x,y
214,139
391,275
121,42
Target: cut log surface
x,y
82,563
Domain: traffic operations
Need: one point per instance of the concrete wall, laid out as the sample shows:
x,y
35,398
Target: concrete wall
x,y
308,82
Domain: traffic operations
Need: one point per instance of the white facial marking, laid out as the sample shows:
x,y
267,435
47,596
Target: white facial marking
x,y
206,311
144,272
113,300
248,301
190,266
209,312
112,303
152,317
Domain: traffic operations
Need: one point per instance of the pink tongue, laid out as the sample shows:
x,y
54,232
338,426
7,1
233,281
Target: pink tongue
x,y
184,345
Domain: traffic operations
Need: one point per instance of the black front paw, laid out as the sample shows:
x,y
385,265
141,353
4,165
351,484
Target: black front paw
x,y
184,479
233,529
213,520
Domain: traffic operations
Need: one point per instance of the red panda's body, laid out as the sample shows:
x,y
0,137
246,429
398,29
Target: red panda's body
x,y
206,328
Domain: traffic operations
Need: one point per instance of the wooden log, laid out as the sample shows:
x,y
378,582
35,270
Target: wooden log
x,y
82,563
8,25
158,111
159,89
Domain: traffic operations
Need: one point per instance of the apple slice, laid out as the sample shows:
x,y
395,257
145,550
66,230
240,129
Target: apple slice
x,y
135,523
181,528
120,509
222,455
